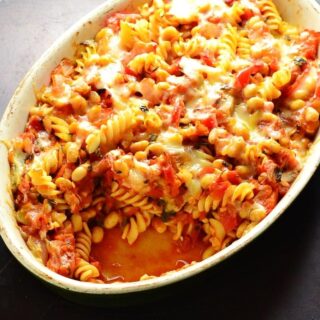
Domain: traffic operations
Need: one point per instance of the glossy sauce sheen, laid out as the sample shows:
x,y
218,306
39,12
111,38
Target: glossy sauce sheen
x,y
152,254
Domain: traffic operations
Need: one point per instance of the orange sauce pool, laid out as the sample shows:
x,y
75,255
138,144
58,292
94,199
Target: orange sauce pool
x,y
151,254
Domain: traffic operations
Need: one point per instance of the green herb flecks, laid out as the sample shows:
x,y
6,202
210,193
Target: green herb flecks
x,y
144,108
167,215
299,61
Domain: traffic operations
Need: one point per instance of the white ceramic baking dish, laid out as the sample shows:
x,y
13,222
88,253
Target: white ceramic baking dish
x,y
304,13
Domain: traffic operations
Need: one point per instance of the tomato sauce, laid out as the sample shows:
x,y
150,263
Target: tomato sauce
x,y
152,254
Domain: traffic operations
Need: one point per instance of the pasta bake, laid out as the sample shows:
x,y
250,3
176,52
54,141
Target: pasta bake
x,y
189,118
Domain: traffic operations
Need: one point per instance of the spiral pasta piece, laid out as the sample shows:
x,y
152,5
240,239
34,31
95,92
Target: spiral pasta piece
x,y
244,45
83,243
52,160
207,203
235,13
147,62
255,24
60,128
215,234
228,46
163,49
242,191
252,154
253,212
87,56
270,14
85,271
191,48
110,133
244,228
130,197
268,90
136,225
43,183
281,77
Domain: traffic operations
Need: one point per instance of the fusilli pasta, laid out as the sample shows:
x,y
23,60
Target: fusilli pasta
x,y
190,123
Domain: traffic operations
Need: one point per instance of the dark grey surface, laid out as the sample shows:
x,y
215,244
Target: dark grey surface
x,y
277,277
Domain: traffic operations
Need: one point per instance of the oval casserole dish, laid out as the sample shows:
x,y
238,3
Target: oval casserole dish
x,y
303,13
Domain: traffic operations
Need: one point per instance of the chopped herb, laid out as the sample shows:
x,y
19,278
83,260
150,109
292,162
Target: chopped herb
x,y
101,91
225,87
202,143
278,174
98,153
299,61
226,164
51,202
29,157
96,183
153,137
138,94
166,215
100,223
124,222
144,108
50,233
161,203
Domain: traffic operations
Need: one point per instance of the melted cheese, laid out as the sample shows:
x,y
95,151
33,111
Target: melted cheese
x,y
250,121
206,96
178,81
187,10
198,114
196,70
191,67
172,141
86,126
109,73
43,140
194,161
18,167
136,180
115,48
